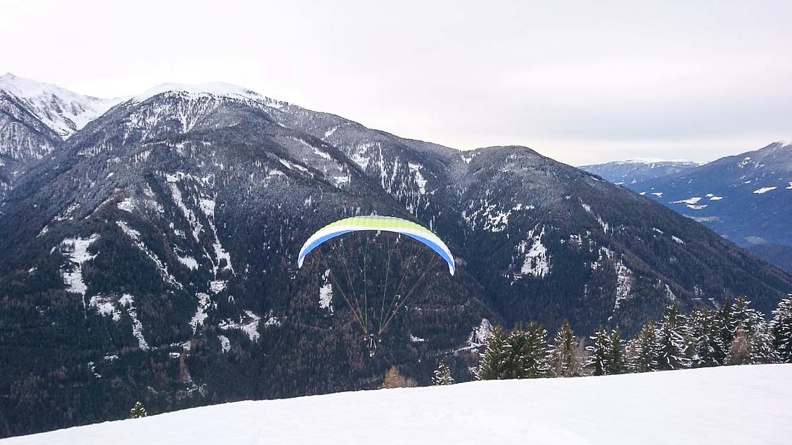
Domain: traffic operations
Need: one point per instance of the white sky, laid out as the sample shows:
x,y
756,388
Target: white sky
x,y
579,81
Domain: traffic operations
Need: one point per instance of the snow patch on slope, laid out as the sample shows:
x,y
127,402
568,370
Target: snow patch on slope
x,y
600,221
76,251
204,301
225,343
625,278
326,292
162,268
534,255
689,201
480,334
127,205
359,154
764,190
105,306
128,301
489,216
247,324
415,170
188,261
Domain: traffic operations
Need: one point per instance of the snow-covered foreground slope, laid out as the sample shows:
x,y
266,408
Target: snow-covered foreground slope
x,y
734,405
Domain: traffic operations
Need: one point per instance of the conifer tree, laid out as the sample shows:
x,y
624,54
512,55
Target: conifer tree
x,y
599,351
644,358
752,341
725,331
564,358
494,360
535,365
528,351
760,343
442,375
137,411
615,354
671,341
781,329
706,347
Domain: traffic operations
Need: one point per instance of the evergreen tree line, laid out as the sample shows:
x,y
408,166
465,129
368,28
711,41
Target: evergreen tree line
x,y
734,334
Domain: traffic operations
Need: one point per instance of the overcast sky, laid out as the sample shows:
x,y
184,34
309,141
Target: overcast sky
x,y
579,81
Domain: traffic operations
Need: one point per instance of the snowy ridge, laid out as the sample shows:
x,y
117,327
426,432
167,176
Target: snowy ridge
x,y
733,405
61,110
208,90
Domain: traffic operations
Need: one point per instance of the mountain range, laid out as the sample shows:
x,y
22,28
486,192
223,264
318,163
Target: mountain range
x,y
637,171
747,198
149,252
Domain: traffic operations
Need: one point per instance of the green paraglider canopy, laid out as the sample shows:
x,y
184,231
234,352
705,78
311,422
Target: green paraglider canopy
x,y
377,264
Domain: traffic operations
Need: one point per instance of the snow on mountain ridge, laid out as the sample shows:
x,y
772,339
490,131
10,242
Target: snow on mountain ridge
x,y
658,161
212,89
62,110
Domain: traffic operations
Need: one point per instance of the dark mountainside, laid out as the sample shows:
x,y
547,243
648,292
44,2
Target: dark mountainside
x,y
151,256
747,198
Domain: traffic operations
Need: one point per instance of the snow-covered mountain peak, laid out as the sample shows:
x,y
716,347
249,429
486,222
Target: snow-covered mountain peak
x,y
213,89
62,110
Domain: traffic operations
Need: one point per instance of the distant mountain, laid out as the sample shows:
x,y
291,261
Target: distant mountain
x,y
746,198
633,172
36,117
152,256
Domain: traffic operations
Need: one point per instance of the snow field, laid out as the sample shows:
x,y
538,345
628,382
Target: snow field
x,y
728,405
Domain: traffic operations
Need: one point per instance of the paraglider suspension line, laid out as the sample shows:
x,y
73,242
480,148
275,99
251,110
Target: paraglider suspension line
x,y
365,283
414,255
385,288
431,265
354,307
341,289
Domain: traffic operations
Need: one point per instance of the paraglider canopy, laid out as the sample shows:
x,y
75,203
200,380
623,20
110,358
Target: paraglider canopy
x,y
376,263
378,223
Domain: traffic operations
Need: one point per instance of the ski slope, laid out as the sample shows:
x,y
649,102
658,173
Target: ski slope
x,y
729,405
